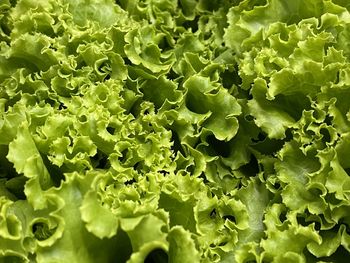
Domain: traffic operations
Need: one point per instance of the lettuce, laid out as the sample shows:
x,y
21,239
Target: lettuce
x,y
174,131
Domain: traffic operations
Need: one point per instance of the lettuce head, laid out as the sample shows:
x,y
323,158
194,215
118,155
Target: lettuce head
x,y
178,131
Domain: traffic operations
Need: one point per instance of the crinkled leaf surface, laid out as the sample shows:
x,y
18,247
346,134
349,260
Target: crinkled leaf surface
x,y
174,131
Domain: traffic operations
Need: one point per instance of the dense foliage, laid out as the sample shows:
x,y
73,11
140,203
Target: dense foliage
x,y
175,131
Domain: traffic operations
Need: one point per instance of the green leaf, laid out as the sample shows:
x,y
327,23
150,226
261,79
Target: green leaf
x,y
99,220
181,246
204,97
269,116
27,160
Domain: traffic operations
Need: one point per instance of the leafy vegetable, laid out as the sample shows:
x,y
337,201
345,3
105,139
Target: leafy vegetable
x,y
174,131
